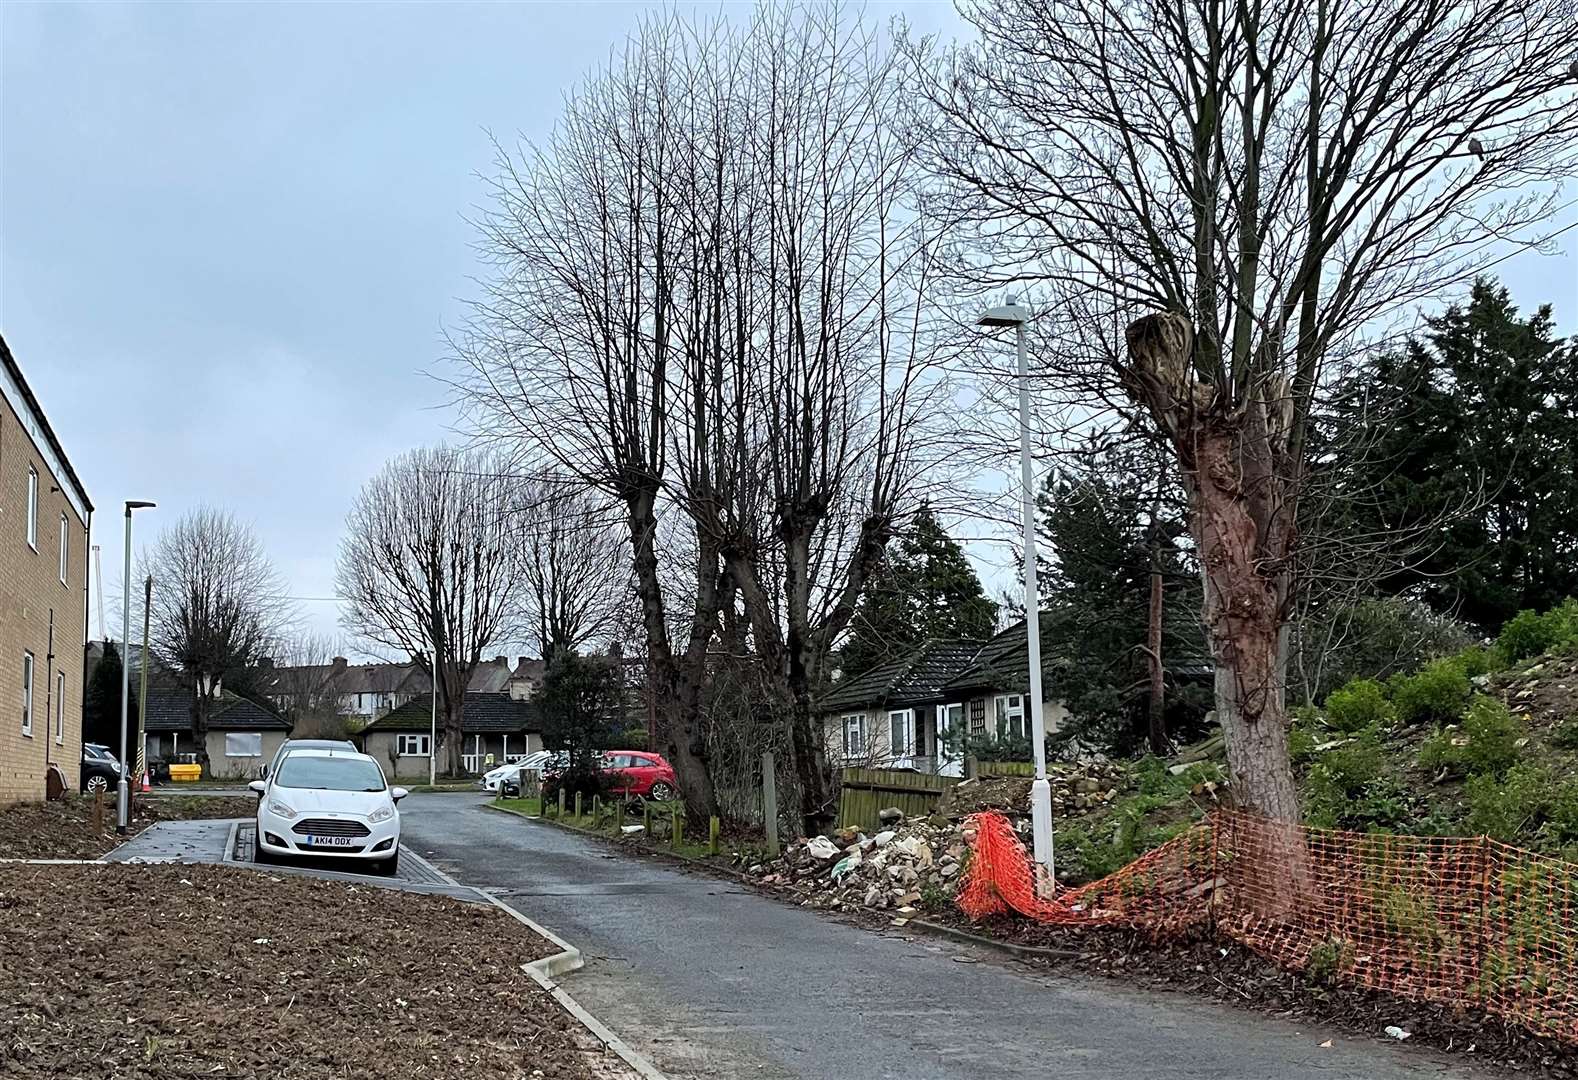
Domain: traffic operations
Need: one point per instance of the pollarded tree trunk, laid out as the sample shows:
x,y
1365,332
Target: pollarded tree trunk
x,y
1244,590
1231,445
202,706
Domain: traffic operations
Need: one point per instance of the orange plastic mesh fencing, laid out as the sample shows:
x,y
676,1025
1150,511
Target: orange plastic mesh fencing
x,y
1463,921
1159,892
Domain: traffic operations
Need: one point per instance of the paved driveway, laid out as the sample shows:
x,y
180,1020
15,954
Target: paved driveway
x,y
713,980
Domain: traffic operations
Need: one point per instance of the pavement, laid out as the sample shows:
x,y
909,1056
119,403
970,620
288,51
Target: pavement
x,y
230,840
711,979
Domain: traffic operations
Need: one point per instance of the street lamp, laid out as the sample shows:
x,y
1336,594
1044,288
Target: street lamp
x,y
122,790
1015,315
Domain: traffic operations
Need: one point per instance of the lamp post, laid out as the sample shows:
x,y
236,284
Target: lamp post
x,y
1015,315
122,791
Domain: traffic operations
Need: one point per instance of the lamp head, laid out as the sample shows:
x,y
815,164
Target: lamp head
x,y
1009,314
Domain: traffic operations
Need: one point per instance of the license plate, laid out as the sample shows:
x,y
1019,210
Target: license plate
x,y
332,841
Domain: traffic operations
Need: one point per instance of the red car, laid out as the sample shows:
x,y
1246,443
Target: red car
x,y
644,774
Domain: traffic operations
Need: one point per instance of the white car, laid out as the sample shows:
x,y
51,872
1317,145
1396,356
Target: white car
x,y
492,779
329,803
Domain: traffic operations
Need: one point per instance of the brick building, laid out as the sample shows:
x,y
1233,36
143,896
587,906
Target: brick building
x,y
45,517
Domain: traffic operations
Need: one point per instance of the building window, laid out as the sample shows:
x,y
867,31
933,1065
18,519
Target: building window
x,y
243,744
855,735
32,508
65,546
901,733
60,707
1011,716
415,746
27,694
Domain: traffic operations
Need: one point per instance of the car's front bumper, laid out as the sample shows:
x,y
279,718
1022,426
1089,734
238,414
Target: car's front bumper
x,y
279,835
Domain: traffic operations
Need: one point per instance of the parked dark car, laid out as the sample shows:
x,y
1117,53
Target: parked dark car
x,y
100,770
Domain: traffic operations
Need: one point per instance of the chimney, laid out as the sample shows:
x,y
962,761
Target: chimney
x,y
502,661
520,664
340,663
265,663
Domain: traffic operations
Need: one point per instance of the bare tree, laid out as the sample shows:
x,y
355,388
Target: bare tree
x,y
217,607
575,574
573,352
825,395
304,684
429,566
1272,181
710,299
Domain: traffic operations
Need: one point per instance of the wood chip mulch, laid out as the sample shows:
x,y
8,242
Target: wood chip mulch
x,y
172,971
72,828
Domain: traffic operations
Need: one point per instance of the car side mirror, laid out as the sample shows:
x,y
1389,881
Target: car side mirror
x,y
257,787
398,793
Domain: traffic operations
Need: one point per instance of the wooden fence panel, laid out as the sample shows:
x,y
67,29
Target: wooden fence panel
x,y
866,792
992,769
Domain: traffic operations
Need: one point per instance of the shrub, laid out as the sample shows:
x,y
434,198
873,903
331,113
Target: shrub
x,y
1477,660
588,780
1527,634
1510,808
1487,742
1150,775
1437,693
1348,787
1358,705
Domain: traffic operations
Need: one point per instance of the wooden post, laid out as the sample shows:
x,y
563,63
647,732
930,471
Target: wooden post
x,y
770,803
98,811
646,819
972,767
679,828
560,815
712,835
577,807
597,812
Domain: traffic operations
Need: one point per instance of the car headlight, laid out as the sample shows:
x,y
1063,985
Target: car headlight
x,y
383,813
280,809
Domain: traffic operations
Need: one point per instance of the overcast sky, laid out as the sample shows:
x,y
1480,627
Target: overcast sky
x,y
233,234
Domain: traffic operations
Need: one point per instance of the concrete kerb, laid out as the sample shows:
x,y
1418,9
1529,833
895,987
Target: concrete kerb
x,y
546,973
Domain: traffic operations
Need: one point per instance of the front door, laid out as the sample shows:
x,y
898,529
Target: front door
x,y
950,755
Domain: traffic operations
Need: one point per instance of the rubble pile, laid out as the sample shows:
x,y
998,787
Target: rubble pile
x,y
1076,789
908,867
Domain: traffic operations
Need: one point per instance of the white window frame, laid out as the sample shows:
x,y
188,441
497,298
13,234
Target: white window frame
x,y
238,749
27,693
423,742
32,508
60,708
854,723
65,547
904,720
1009,712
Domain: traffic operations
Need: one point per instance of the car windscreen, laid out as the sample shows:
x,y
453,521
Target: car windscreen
x,y
329,773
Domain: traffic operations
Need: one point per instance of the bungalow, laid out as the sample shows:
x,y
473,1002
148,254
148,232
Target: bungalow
x,y
494,723
243,735
899,714
990,693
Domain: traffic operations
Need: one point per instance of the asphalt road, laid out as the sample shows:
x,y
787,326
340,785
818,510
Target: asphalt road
x,y
710,979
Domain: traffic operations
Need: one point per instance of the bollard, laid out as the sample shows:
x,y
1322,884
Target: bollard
x,y
770,803
560,815
679,829
712,835
646,820
597,812
98,811
577,807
